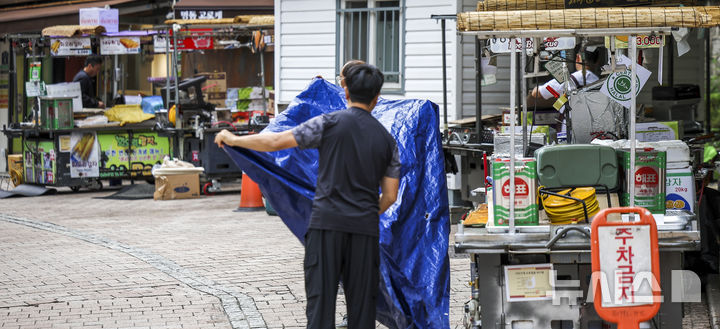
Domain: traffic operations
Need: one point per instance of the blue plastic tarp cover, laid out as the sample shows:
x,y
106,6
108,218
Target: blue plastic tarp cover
x,y
414,232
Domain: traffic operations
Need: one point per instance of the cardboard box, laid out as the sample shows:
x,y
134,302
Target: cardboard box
x,y
108,18
216,82
171,187
67,89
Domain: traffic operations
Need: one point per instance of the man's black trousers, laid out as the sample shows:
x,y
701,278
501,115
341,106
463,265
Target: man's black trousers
x,y
331,256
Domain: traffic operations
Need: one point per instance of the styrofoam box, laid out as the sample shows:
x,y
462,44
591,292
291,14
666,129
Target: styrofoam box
x,y
67,89
108,18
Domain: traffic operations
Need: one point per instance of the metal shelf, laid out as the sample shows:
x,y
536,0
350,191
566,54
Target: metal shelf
x,y
570,32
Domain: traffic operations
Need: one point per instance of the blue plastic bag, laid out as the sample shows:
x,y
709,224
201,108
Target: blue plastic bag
x,y
151,104
414,232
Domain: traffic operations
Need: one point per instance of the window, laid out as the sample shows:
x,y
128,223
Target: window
x,y
371,30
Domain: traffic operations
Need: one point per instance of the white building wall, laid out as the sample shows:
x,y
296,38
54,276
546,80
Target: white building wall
x,y
305,47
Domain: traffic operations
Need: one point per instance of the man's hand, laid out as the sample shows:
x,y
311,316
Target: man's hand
x,y
223,137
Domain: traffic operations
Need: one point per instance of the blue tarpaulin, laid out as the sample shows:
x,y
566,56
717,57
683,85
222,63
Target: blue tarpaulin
x,y
414,232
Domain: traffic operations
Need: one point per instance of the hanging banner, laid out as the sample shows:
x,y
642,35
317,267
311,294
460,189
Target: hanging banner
x,y
618,87
200,39
502,45
120,154
70,47
120,45
84,157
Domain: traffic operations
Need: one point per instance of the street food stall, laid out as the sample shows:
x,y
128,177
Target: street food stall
x,y
63,143
202,105
537,191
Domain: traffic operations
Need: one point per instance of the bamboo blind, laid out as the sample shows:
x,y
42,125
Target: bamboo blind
x,y
613,17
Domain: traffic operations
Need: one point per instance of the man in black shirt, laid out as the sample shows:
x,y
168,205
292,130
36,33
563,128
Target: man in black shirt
x,y
357,155
93,65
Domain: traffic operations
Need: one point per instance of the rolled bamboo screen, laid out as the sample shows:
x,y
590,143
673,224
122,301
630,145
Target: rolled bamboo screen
x,y
614,17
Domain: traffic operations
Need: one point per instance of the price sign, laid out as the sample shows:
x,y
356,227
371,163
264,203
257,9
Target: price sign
x,y
70,47
120,45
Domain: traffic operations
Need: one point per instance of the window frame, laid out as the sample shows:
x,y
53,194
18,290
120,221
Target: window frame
x,y
388,88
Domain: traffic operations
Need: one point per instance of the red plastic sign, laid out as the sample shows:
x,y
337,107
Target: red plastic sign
x,y
625,265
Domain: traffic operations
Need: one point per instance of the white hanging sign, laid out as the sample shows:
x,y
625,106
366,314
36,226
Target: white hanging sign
x,y
618,85
502,45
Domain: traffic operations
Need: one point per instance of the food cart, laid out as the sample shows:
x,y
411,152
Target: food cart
x,y
198,117
530,273
56,152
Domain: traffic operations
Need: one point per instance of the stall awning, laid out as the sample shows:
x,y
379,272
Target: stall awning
x,y
37,18
224,4
229,9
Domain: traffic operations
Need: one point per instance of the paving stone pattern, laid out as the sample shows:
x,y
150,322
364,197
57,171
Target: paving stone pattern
x,y
75,261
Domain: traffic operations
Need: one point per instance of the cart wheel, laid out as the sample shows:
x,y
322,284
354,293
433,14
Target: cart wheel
x,y
75,188
208,189
96,185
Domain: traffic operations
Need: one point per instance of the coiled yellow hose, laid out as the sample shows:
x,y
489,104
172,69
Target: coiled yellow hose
x,y
563,211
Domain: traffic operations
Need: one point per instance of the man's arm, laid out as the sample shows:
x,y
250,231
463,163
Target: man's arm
x,y
389,187
266,142
536,99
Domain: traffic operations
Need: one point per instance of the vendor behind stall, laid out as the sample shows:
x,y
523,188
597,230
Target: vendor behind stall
x,y
544,96
86,77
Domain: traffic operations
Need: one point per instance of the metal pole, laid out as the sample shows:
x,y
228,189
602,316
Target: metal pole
x,y
444,73
633,106
115,76
14,115
513,81
478,88
708,56
262,77
167,69
523,86
178,116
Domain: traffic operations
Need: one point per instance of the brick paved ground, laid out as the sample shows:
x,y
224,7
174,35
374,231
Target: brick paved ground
x,y
72,260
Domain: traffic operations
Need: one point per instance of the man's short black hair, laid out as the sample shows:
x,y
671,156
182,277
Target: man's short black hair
x,y
93,60
364,82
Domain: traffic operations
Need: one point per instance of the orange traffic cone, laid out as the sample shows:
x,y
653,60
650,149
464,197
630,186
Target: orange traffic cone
x,y
250,196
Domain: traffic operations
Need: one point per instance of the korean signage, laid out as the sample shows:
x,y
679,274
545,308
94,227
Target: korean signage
x,y
84,155
70,47
200,39
502,45
201,14
528,282
625,265
624,252
117,158
120,45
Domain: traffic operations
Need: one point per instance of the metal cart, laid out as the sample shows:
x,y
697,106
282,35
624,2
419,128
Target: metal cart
x,y
563,248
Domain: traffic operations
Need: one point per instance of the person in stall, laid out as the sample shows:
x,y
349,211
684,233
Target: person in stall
x,y
588,64
86,77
